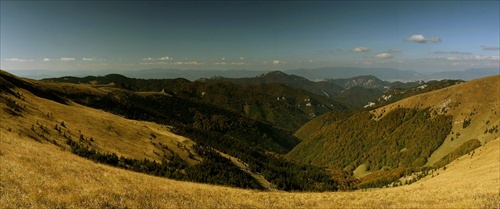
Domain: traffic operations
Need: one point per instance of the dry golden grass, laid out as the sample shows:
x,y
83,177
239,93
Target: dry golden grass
x,y
38,174
477,100
110,133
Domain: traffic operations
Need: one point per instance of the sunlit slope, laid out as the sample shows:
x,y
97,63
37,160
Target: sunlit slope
x,y
39,175
54,113
476,103
413,132
37,171
47,120
95,134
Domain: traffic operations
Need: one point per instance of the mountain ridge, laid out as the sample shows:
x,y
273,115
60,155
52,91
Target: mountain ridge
x,y
353,92
313,74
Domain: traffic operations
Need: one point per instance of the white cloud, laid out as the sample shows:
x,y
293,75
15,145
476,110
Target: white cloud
x,y
471,58
367,63
189,63
490,48
480,57
421,39
165,58
238,63
18,60
67,59
278,62
383,56
455,58
88,59
151,59
360,49
171,63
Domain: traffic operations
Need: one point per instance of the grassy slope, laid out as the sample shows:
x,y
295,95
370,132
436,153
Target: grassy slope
x,y
40,175
476,100
109,133
135,137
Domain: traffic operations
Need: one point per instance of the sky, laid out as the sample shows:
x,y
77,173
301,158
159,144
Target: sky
x,y
424,36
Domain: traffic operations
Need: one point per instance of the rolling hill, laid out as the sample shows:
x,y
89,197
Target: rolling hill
x,y
40,175
352,92
411,133
327,89
276,103
397,94
159,134
81,145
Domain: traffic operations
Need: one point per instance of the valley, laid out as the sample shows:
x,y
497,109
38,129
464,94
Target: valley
x,y
90,142
249,104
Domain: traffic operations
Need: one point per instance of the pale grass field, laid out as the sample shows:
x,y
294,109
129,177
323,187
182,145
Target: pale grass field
x,y
40,175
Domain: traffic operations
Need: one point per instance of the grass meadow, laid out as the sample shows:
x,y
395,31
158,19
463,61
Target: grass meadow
x,y
40,175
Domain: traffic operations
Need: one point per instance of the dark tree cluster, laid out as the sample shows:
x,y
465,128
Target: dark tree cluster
x,y
402,138
214,169
284,174
465,148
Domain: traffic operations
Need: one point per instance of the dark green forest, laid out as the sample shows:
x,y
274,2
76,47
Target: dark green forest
x,y
403,138
465,148
281,105
214,169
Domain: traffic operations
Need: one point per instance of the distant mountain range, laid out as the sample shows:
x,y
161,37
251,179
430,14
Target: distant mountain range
x,y
387,74
352,92
355,92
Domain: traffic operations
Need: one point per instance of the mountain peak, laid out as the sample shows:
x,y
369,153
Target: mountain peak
x,y
366,81
272,74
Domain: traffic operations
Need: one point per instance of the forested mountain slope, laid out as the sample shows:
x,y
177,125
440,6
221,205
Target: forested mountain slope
x,y
276,103
397,94
353,92
422,130
474,106
182,139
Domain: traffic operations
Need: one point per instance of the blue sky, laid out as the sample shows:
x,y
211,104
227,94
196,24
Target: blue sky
x,y
425,36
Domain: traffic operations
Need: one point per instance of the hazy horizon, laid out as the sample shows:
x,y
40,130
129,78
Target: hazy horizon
x,y
73,36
